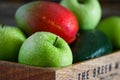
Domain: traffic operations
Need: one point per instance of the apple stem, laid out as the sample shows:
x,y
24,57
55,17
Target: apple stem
x,y
2,25
55,40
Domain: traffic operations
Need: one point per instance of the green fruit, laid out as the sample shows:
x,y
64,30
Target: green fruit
x,y
11,39
111,27
46,50
87,12
90,44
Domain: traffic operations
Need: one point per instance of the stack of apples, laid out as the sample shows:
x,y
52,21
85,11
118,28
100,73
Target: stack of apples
x,y
45,31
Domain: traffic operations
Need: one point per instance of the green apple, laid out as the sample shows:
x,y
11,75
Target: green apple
x,y
11,39
111,27
45,49
88,12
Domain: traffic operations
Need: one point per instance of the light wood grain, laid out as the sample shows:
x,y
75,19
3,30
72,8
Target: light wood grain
x,y
102,68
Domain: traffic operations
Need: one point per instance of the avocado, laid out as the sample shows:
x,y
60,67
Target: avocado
x,y
90,44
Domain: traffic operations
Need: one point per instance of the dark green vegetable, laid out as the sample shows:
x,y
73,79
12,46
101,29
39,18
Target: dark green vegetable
x,y
90,44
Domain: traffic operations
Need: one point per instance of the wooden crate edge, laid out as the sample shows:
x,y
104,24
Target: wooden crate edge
x,y
102,68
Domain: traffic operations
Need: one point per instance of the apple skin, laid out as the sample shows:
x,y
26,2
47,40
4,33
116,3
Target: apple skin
x,y
39,50
47,16
88,12
11,39
111,27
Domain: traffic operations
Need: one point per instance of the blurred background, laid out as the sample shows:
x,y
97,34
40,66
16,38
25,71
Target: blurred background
x,y
9,7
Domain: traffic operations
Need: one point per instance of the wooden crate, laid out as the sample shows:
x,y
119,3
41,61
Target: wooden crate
x,y
102,68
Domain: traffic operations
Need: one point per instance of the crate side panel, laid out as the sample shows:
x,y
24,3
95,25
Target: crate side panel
x,y
103,68
14,71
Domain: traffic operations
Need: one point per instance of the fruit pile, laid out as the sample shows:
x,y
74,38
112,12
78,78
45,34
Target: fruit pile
x,y
49,34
